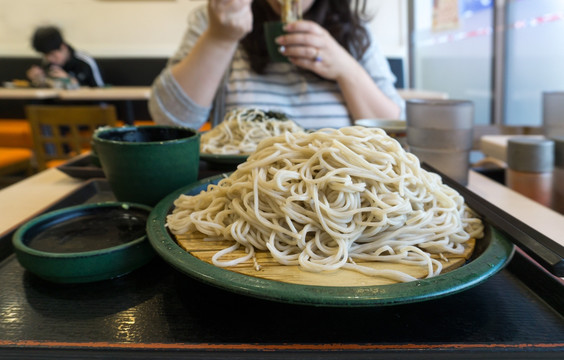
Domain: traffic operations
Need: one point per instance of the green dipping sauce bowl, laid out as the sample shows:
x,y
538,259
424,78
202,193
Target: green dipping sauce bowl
x,y
85,243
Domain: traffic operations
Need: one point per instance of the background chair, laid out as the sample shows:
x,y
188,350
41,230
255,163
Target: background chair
x,y
16,153
62,132
15,160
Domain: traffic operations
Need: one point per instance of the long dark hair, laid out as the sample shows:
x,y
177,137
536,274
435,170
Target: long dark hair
x,y
339,17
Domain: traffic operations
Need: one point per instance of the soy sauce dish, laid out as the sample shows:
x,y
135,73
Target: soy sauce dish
x,y
85,243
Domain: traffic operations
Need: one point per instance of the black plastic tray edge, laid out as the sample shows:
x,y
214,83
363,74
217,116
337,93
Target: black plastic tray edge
x,y
76,168
526,269
81,167
540,281
545,251
76,197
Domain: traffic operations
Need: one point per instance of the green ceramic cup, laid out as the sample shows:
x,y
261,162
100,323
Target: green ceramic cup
x,y
144,164
272,30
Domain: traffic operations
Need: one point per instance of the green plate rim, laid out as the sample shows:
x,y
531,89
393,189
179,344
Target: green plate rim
x,y
223,158
384,124
489,262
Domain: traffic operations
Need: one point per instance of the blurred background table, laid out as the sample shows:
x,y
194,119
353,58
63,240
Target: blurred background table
x,y
408,94
107,93
495,146
111,93
28,93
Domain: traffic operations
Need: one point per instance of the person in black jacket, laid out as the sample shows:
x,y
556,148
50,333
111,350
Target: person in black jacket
x,y
62,65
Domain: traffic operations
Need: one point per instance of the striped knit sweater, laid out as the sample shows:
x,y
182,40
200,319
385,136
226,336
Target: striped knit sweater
x,y
307,99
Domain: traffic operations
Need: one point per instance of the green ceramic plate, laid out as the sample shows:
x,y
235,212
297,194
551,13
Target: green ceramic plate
x,y
223,159
85,243
491,254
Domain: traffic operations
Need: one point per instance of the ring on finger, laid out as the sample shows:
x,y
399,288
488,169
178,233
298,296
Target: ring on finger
x,y
317,57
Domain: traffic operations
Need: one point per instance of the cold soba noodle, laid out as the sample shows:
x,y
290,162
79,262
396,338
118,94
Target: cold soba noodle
x,y
332,199
291,10
242,129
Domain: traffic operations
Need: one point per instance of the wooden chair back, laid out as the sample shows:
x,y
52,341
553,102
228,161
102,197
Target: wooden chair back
x,y
62,132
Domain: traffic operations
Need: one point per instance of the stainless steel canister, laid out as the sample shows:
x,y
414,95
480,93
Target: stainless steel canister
x,y
553,113
440,133
530,163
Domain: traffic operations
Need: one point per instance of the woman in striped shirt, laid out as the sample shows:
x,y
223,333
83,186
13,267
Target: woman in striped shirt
x,y
335,72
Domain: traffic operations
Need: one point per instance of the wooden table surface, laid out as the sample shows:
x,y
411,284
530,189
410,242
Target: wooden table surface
x,y
30,196
157,312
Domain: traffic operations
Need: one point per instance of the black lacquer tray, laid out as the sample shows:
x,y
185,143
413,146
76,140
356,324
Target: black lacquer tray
x,y
157,312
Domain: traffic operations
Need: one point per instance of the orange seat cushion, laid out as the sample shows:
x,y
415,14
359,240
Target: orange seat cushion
x,y
15,133
205,127
137,123
55,163
10,156
143,122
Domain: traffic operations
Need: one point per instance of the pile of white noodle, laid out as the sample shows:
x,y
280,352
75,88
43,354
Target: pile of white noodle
x,y
242,129
326,199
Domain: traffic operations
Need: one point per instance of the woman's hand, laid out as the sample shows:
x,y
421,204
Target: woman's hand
x,y
200,73
230,20
309,46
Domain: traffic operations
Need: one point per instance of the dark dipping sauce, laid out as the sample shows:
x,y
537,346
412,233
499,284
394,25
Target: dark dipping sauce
x,y
88,230
147,134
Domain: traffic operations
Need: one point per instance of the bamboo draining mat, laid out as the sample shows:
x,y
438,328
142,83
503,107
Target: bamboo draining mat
x,y
271,270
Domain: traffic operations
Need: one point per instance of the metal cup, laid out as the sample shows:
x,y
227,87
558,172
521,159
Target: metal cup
x,y
440,133
553,113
